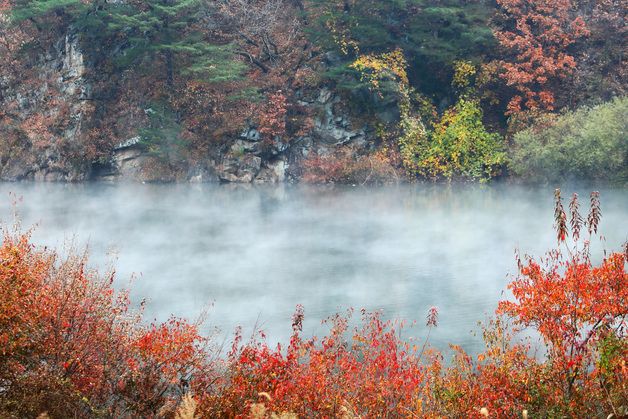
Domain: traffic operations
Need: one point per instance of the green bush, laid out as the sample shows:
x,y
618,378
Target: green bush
x,y
588,144
459,147
162,136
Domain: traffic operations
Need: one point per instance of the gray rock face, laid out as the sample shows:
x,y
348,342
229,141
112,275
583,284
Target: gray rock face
x,y
72,80
272,172
134,164
128,162
203,175
239,169
64,74
129,143
251,134
241,147
51,175
61,73
333,127
16,168
325,95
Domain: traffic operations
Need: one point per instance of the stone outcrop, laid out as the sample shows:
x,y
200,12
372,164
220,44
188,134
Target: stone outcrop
x,y
246,158
239,169
333,127
61,74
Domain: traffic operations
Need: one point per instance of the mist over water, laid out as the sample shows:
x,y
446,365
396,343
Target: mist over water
x,y
257,252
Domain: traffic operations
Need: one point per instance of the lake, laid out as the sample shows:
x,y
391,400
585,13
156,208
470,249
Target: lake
x,y
254,253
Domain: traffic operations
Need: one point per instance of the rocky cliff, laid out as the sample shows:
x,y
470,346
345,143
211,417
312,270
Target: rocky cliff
x,y
49,120
47,115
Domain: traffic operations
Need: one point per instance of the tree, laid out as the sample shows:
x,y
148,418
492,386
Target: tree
x,y
432,35
170,29
458,146
461,147
589,143
603,71
579,310
265,31
167,30
269,35
536,36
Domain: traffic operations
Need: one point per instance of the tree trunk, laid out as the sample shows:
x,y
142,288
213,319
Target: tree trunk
x,y
169,69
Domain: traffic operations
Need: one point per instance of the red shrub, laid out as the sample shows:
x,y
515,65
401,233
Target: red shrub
x,y
272,122
70,345
577,308
373,373
345,167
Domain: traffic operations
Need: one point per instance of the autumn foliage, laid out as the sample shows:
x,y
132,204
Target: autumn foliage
x,y
273,118
536,35
79,78
71,345
374,373
580,312
343,167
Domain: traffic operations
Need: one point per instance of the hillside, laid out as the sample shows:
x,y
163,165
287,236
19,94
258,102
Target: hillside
x,y
262,91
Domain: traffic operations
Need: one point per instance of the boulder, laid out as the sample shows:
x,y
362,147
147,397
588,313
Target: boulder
x,y
16,168
239,169
272,172
203,175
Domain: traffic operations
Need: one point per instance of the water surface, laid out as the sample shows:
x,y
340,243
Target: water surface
x,y
254,253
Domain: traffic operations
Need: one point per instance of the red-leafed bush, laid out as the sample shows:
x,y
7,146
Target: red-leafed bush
x,y
345,167
580,312
273,117
367,372
70,345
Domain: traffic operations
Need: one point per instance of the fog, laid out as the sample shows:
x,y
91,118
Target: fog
x,y
253,254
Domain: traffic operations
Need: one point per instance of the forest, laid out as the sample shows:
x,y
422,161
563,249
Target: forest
x,y
321,91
